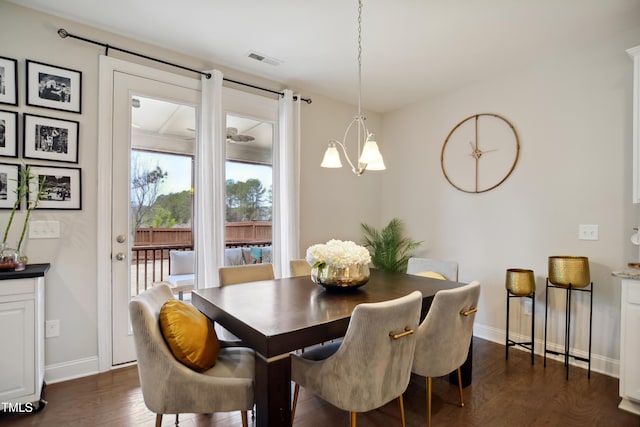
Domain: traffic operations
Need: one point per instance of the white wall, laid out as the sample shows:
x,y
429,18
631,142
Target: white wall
x,y
71,291
573,116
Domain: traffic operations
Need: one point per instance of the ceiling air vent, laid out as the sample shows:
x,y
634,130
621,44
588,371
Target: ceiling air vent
x,y
265,59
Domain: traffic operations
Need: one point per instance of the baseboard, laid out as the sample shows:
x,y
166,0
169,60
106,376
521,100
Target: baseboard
x,y
601,364
70,370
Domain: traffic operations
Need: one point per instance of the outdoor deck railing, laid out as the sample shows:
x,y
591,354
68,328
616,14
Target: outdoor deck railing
x,y
150,252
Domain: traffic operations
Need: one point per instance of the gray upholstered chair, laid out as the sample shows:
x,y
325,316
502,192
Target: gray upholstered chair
x,y
444,336
371,366
299,267
424,266
236,274
168,386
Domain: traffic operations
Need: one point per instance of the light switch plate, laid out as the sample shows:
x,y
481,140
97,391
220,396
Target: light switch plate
x,y
588,232
44,229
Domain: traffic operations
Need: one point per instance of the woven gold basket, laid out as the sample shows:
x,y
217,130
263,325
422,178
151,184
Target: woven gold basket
x,y
569,270
520,282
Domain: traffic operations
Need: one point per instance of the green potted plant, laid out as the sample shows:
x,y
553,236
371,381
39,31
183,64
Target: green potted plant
x,y
14,258
390,248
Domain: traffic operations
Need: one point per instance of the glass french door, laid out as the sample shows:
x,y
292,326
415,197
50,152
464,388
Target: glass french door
x,y
154,125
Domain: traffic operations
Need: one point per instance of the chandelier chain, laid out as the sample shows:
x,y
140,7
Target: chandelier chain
x,y
359,56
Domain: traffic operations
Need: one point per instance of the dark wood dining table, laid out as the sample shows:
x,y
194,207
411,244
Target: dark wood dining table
x,y
276,317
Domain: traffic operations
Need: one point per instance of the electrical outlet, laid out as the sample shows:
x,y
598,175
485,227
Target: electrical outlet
x,y
51,328
526,306
588,232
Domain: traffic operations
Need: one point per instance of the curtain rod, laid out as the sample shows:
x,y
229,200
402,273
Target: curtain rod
x,y
64,34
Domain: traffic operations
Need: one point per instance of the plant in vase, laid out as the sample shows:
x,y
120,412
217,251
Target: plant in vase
x,y
339,264
11,258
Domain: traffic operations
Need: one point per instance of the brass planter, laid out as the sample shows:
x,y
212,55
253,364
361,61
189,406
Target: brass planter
x,y
520,282
335,278
569,270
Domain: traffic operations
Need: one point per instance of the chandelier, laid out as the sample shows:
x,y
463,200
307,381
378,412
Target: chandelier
x,y
370,157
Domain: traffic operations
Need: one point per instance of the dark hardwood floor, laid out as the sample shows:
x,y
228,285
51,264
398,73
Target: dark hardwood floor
x,y
503,393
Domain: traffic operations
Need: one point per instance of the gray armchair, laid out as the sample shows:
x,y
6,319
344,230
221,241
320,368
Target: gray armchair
x,y
448,269
299,267
444,336
168,386
371,366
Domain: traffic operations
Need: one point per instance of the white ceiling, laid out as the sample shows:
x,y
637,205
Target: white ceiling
x,y
412,49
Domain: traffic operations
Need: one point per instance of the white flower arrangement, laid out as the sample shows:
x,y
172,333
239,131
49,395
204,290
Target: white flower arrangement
x,y
337,253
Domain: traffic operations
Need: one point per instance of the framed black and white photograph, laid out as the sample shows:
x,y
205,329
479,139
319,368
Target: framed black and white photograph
x,y
47,138
61,187
8,133
8,81
9,180
53,87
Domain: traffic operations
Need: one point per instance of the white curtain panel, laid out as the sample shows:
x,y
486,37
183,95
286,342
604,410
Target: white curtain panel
x,y
209,185
286,204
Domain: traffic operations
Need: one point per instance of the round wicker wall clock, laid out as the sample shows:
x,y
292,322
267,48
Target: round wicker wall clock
x,y
480,153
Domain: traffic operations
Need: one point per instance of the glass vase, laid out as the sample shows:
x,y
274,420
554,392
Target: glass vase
x,y
10,259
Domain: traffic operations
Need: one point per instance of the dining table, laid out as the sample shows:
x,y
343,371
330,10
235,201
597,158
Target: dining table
x,y
280,316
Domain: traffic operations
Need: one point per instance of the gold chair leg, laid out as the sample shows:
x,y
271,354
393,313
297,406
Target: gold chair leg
x,y
245,418
460,388
429,401
401,404
158,420
296,390
353,419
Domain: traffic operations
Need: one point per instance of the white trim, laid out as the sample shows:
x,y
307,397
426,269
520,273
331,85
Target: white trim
x,y
71,370
107,67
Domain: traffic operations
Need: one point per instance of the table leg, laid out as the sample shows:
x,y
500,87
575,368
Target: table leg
x,y
273,391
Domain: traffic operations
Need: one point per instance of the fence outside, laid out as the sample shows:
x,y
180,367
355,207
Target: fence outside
x,y
150,251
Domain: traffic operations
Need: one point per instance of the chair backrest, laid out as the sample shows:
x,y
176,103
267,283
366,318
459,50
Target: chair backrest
x,y
370,366
155,359
444,336
299,267
449,269
245,273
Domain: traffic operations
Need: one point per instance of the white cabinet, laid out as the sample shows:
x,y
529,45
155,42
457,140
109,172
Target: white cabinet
x,y
630,346
22,337
634,53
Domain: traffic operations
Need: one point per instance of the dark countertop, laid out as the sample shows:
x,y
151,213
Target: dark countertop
x,y
31,271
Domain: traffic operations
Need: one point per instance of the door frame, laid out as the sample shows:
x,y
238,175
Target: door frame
x,y
107,66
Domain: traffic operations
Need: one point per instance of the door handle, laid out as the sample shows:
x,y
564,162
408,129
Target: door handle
x,y
120,256
121,238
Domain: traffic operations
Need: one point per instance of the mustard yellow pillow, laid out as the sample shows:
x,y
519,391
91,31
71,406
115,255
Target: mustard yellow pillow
x,y
431,274
189,334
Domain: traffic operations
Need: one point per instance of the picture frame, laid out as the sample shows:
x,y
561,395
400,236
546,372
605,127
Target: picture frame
x,y
9,181
62,187
48,138
8,133
8,81
54,87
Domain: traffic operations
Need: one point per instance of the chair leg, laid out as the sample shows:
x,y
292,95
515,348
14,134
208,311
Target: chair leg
x,y
353,419
296,390
177,420
245,418
401,404
158,420
429,401
460,388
